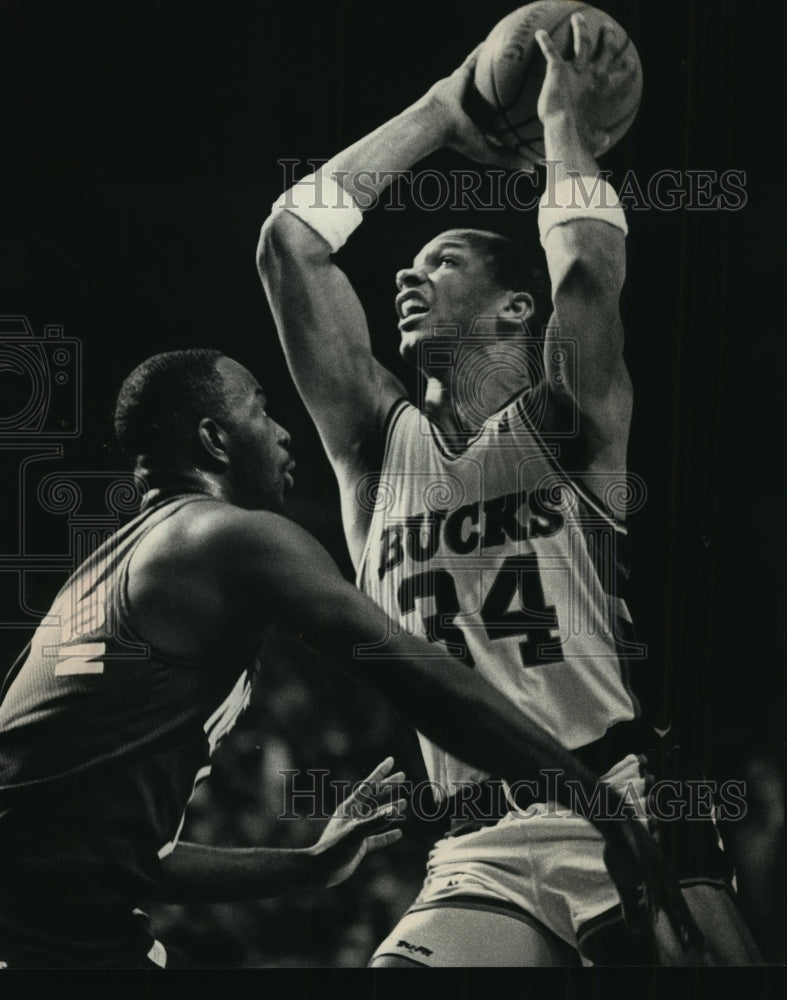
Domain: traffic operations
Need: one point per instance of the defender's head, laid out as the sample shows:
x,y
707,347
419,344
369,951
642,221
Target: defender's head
x,y
199,414
464,275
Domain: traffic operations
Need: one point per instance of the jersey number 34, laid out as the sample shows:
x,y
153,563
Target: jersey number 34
x,y
518,581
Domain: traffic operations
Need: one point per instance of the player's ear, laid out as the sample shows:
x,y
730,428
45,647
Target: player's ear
x,y
213,440
520,306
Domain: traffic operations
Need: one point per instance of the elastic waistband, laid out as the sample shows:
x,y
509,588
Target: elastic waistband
x,y
486,803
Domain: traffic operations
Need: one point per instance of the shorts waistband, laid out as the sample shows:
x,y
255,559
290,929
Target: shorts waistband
x,y
486,803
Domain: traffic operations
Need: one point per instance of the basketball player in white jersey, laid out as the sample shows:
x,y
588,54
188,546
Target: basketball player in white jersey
x,y
486,520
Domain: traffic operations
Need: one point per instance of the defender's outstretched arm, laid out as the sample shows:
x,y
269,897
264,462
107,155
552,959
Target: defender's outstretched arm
x,y
277,565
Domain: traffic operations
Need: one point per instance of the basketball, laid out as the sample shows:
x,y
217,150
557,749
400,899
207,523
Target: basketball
x,y
510,70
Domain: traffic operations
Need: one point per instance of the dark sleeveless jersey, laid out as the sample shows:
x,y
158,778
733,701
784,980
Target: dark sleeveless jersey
x,y
102,741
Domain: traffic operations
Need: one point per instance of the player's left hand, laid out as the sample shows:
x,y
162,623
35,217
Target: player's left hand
x,y
363,822
449,101
575,86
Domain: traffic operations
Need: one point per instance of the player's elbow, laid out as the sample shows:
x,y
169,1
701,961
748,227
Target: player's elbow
x,y
285,241
589,288
272,245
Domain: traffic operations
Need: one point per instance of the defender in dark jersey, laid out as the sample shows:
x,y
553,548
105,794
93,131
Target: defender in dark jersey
x,y
495,533
109,717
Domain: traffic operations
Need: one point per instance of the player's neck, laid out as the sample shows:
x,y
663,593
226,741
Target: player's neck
x,y
460,399
443,409
159,483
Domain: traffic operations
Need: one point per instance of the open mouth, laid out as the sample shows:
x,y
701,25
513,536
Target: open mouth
x,y
410,307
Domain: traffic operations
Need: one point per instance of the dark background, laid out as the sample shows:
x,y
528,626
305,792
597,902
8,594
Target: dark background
x,y
140,148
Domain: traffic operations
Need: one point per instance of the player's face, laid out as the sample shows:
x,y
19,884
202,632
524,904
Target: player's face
x,y
261,464
449,285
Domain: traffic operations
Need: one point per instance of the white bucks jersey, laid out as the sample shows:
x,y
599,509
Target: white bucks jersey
x,y
500,559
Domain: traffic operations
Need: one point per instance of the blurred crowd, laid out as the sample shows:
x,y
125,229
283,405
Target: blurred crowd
x,y
303,716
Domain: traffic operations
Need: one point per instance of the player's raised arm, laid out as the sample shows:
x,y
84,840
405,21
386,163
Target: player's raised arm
x,y
319,318
323,329
583,233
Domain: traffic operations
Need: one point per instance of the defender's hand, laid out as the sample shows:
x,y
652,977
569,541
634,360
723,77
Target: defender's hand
x,y
575,87
447,101
362,823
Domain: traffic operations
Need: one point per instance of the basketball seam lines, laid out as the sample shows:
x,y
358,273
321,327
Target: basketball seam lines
x,y
622,49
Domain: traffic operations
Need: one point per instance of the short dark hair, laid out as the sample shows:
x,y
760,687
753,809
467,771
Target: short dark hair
x,y
514,268
162,401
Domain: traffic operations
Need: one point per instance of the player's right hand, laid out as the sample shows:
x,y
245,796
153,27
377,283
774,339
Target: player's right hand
x,y
573,86
448,101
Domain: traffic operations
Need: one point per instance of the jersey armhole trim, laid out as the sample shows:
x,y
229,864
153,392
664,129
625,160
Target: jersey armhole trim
x,y
124,601
397,408
584,491
391,420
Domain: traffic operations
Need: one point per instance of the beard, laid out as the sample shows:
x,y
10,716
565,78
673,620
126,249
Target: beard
x,y
255,488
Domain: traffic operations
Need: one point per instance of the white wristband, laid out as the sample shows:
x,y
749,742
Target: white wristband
x,y
324,205
579,198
